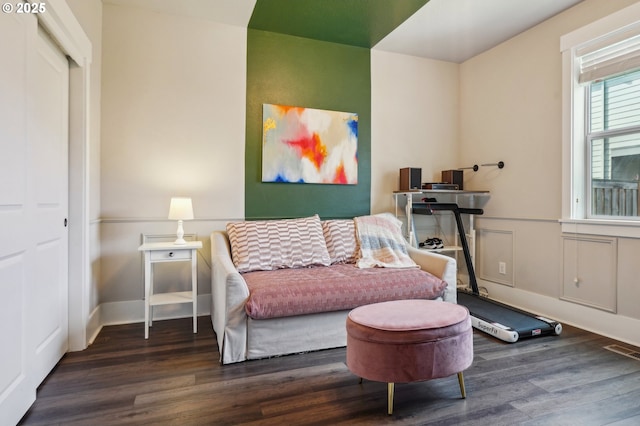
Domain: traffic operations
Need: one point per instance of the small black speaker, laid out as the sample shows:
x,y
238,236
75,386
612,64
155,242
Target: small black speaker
x,y
410,178
453,176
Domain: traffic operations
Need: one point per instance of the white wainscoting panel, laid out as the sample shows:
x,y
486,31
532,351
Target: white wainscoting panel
x,y
589,273
496,247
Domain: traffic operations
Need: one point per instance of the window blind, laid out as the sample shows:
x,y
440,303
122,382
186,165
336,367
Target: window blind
x,y
609,56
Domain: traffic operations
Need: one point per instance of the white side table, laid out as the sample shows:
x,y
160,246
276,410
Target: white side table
x,y
169,252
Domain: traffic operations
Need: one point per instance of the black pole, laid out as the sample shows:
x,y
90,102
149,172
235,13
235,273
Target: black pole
x,y
430,207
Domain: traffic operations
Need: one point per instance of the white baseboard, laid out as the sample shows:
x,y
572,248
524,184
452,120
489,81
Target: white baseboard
x,y
618,327
95,324
132,311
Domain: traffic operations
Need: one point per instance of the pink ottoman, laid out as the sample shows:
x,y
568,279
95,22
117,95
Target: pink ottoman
x,y
406,341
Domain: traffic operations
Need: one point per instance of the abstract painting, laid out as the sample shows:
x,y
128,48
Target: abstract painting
x,y
305,145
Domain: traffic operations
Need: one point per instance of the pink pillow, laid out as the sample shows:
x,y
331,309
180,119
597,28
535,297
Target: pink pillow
x,y
340,236
265,245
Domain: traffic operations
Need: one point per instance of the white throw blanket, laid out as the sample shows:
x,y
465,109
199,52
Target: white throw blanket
x,y
381,242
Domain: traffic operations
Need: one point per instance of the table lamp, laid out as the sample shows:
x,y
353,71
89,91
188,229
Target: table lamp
x,y
180,209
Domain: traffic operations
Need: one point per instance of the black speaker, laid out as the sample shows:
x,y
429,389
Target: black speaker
x,y
410,178
453,176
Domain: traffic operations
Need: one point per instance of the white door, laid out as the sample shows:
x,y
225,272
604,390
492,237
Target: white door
x,y
33,207
48,141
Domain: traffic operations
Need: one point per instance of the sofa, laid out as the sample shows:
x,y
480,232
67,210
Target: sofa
x,y
286,286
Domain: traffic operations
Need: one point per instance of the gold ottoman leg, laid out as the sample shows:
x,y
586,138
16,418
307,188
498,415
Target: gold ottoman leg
x,y
461,382
390,398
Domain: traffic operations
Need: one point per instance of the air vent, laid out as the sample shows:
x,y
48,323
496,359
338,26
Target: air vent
x,y
631,353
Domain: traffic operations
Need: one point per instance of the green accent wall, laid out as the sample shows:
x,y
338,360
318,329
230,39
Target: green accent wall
x,y
296,71
354,22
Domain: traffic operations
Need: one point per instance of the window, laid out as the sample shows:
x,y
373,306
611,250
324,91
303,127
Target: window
x,y
601,126
613,145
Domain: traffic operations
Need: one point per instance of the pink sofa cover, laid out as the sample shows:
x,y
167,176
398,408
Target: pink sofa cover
x,y
290,292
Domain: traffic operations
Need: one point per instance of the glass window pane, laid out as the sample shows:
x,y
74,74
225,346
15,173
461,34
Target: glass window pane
x,y
615,172
596,123
615,103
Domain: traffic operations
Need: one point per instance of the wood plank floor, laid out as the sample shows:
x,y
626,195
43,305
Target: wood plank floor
x,y
174,378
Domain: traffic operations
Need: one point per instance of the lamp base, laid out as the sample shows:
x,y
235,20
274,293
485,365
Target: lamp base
x,y
180,234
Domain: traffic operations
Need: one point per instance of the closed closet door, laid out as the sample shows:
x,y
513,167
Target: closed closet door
x,y
48,140
34,92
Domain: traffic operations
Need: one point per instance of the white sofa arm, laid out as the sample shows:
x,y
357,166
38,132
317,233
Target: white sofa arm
x,y
229,293
443,267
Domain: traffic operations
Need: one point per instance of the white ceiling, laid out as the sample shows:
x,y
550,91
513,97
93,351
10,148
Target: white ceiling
x,y
456,30
448,30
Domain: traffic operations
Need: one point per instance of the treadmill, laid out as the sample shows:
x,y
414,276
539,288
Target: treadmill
x,y
497,319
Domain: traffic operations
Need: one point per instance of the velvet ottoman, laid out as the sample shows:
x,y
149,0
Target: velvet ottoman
x,y
406,341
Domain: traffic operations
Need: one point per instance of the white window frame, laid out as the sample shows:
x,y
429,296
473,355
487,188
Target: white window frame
x,y
575,195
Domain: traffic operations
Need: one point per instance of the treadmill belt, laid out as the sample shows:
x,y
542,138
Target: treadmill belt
x,y
499,320
494,312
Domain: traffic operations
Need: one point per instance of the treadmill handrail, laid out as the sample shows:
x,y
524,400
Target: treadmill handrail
x,y
428,208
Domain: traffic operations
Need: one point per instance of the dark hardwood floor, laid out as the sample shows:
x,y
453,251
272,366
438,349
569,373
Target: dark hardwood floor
x,y
174,378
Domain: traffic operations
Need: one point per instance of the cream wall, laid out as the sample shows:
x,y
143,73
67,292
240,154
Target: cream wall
x,y
173,114
511,110
173,124
414,121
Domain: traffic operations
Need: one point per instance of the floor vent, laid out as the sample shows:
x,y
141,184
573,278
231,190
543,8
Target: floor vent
x,y
624,351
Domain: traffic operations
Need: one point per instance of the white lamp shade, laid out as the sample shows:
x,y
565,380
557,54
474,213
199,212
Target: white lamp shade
x,y
181,209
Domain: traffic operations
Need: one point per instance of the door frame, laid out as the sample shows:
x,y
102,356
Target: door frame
x,y
64,28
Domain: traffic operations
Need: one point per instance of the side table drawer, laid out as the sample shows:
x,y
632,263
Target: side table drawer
x,y
167,255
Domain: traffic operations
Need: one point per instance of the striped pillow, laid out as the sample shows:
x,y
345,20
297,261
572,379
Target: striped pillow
x,y
265,245
342,244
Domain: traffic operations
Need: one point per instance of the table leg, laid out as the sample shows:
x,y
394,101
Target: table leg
x,y
194,288
147,286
